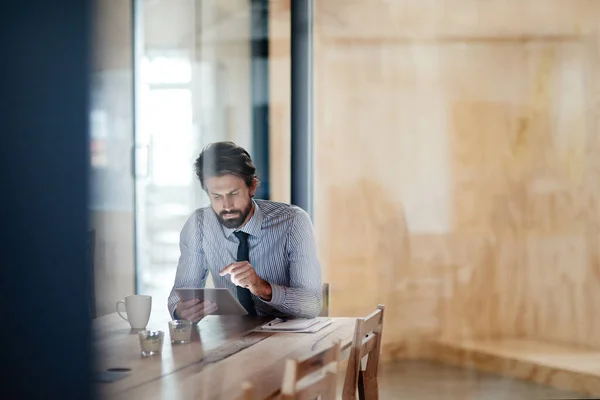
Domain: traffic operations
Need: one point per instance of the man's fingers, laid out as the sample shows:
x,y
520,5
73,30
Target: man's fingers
x,y
243,275
231,267
227,269
204,307
188,309
196,310
187,314
203,312
210,309
241,271
184,306
196,318
189,303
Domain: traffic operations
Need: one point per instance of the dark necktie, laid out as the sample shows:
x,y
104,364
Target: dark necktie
x,y
243,254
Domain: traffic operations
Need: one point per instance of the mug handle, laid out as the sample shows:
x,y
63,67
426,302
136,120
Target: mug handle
x,y
119,312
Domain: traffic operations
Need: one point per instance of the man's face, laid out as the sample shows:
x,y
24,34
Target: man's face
x,y
231,199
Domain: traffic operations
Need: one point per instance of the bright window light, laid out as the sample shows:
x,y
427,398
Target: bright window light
x,y
163,70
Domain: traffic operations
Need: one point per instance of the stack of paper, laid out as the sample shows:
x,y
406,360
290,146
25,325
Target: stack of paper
x,y
305,325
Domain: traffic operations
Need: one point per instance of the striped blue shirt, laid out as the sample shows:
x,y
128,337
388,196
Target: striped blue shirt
x,y
282,252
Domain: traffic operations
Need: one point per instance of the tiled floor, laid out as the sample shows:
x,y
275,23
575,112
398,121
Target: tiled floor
x,y
429,380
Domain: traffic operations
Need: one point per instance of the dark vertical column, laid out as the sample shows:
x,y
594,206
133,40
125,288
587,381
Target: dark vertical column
x,y
259,53
44,159
301,104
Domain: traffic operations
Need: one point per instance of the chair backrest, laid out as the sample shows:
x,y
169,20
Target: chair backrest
x,y
325,308
249,392
366,342
312,376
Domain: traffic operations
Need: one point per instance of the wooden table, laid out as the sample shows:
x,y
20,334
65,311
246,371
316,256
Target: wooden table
x,y
224,353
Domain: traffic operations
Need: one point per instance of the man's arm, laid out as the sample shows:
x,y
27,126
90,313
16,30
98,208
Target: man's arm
x,y
303,297
191,269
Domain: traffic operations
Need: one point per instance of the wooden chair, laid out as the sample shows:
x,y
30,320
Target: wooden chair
x,y
325,308
249,393
366,342
306,379
312,377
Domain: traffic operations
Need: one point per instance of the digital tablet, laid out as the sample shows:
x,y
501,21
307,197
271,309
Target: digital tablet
x,y
228,305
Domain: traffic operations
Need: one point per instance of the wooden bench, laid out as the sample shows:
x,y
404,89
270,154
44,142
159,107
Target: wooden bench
x,y
560,366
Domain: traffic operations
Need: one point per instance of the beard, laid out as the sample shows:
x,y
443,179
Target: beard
x,y
238,220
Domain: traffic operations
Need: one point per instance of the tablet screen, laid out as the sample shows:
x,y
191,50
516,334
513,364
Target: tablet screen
x,y
227,304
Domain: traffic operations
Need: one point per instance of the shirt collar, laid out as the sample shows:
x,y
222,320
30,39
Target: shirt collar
x,y
252,227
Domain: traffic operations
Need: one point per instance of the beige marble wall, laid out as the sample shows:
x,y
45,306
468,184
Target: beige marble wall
x,y
456,166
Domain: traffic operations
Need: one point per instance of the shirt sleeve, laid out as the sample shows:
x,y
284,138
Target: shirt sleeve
x,y
303,297
191,268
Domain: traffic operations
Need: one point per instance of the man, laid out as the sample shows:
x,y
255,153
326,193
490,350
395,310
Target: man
x,y
264,252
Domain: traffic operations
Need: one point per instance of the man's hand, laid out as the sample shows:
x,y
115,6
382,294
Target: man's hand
x,y
194,310
242,274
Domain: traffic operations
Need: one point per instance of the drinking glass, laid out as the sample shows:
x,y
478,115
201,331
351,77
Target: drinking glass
x,y
181,331
151,342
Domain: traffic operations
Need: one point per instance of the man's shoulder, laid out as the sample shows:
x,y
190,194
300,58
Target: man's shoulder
x,y
277,215
276,209
202,215
200,212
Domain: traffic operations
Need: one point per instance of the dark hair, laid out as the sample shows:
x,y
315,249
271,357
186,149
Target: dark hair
x,y
221,158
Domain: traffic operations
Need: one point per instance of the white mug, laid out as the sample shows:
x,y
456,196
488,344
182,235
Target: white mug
x,y
138,308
